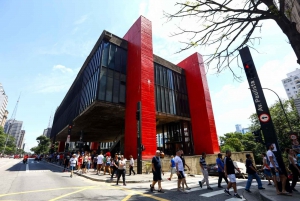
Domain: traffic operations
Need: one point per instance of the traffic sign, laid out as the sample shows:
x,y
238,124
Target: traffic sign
x,y
264,118
68,139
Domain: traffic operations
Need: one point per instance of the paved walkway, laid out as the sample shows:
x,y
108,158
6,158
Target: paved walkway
x,y
269,194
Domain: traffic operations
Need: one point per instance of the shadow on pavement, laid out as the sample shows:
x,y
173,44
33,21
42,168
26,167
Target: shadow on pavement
x,y
34,166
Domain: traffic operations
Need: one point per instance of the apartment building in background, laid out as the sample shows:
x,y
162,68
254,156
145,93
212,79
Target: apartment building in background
x,y
3,105
291,84
13,128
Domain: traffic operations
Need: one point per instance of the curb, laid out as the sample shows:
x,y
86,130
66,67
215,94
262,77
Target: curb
x,y
265,197
101,180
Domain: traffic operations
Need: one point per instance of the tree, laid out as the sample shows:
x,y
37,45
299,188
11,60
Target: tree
x,y
280,123
230,25
43,145
10,145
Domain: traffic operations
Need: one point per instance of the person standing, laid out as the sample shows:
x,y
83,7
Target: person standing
x,y
122,170
204,170
66,162
221,172
173,167
89,162
107,163
267,169
72,164
275,169
179,171
131,165
157,171
99,162
115,163
95,163
293,167
230,172
252,173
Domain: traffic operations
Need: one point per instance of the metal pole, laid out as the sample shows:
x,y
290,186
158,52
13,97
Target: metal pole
x,y
282,108
139,138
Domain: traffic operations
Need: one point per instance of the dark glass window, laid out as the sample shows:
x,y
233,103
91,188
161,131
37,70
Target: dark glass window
x,y
102,83
105,54
122,93
124,61
109,89
111,58
116,91
118,59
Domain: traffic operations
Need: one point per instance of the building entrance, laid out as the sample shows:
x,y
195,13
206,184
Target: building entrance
x,y
174,136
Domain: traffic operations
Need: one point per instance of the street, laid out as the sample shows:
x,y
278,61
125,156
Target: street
x,y
44,181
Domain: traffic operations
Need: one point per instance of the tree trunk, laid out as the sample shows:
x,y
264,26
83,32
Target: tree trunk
x,y
290,30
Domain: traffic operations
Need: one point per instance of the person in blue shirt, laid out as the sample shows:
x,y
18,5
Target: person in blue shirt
x,y
173,167
221,172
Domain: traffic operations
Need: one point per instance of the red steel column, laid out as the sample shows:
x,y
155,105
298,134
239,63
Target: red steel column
x,y
140,87
202,117
61,146
94,146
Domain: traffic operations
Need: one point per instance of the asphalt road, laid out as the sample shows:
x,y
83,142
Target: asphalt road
x,y
43,181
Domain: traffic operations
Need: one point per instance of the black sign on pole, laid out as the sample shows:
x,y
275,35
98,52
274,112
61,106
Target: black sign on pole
x,y
261,106
139,137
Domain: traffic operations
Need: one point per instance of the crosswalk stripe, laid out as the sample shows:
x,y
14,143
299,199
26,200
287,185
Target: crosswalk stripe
x,y
217,192
235,199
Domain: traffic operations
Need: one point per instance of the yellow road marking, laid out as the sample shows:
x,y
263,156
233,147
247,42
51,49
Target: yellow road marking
x,y
36,191
65,195
133,192
127,197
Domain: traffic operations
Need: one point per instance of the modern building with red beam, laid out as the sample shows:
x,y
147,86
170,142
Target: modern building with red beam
x,y
101,104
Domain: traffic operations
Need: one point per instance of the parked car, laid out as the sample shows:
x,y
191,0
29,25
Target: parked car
x,y
16,156
11,156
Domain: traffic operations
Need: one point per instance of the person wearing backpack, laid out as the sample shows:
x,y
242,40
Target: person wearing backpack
x,y
66,162
252,173
267,169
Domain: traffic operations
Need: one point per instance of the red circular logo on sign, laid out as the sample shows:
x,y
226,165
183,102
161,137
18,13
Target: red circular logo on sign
x,y
264,118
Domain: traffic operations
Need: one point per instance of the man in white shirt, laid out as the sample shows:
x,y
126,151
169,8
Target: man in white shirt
x,y
276,169
99,162
72,164
179,171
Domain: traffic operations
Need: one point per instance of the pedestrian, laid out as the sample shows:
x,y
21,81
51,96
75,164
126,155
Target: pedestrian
x,y
122,170
252,173
79,164
173,168
57,158
293,167
95,163
179,171
99,162
267,169
131,165
221,171
276,171
72,164
89,163
61,159
230,173
204,170
107,164
84,164
157,171
185,165
66,162
115,163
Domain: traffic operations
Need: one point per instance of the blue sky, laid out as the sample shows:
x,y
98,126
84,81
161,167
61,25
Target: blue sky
x,y
44,44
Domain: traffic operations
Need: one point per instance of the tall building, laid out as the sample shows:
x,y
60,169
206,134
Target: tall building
x,y
21,139
47,132
238,128
121,72
292,10
13,128
291,84
3,104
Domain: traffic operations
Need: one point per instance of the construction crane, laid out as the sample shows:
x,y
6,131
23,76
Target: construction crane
x,y
12,121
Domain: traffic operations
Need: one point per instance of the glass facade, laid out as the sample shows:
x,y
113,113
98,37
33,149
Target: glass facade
x,y
112,83
175,136
171,93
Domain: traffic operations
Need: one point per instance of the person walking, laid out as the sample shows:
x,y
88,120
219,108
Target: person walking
x,y
184,165
95,163
131,165
107,163
221,171
66,162
99,162
252,173
267,169
122,170
157,171
173,167
204,170
275,169
179,171
115,163
293,167
89,163
79,164
230,173
72,164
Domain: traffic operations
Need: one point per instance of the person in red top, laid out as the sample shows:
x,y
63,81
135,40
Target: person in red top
x,y
79,163
61,159
25,158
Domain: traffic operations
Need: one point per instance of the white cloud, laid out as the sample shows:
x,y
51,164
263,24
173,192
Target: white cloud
x,y
81,20
60,79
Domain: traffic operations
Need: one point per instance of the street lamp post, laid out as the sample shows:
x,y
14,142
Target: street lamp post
x,y
287,119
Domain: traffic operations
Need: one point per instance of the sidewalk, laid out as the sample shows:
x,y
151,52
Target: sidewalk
x,y
138,178
269,194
